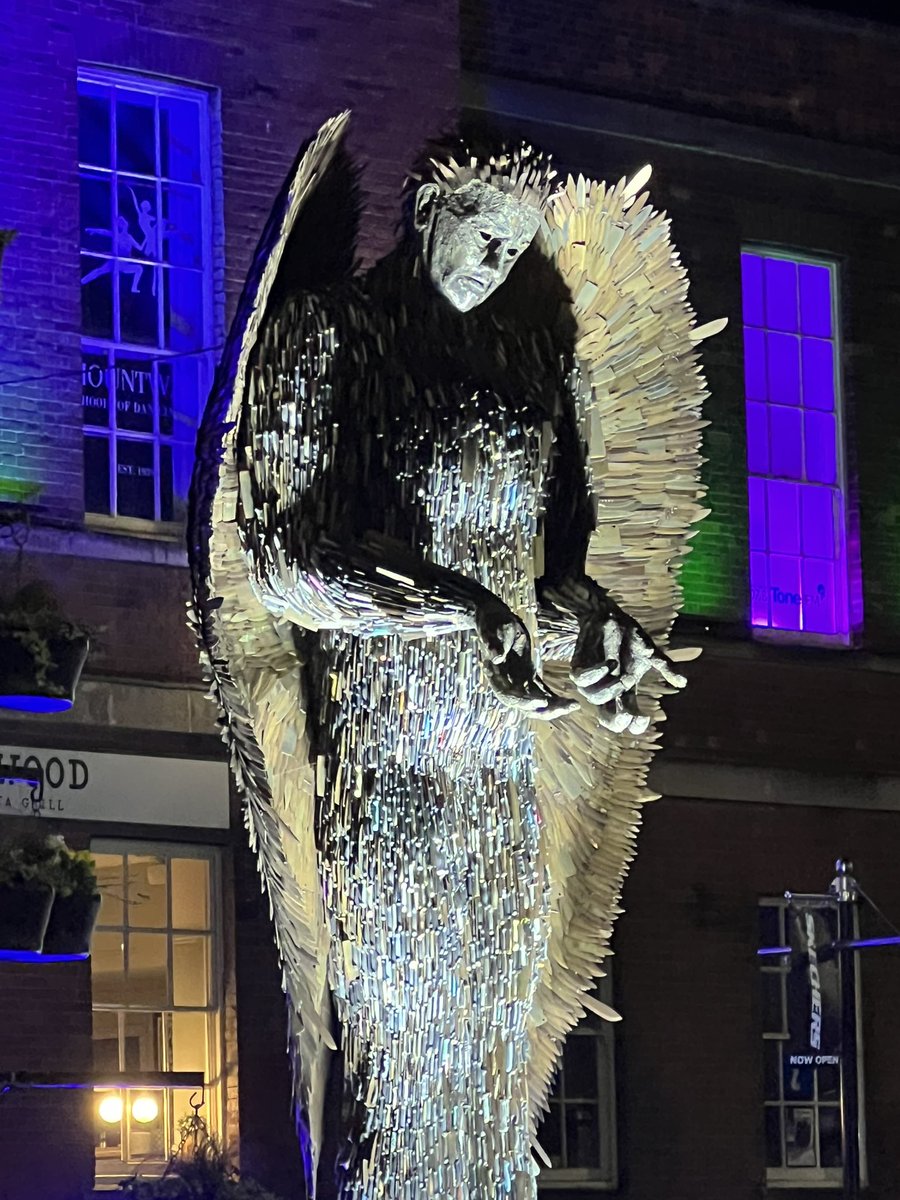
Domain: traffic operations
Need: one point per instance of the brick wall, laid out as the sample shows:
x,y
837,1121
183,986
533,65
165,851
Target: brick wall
x,y
781,66
45,1027
690,1065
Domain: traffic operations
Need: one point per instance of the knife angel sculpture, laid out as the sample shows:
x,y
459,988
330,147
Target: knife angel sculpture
x,y
437,518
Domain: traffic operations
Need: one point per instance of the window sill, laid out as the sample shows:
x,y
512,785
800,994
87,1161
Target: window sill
x,y
110,538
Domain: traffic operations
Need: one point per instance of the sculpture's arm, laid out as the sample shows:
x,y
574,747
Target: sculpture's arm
x,y
609,652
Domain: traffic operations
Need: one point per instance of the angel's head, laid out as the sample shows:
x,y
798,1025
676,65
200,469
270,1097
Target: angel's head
x,y
474,219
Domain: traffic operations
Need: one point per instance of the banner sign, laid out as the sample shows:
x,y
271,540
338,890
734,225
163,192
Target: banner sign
x,y
123,788
813,984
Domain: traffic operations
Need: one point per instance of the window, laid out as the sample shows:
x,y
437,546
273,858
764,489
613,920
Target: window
x,y
146,290
157,1007
798,541
802,1103
578,1133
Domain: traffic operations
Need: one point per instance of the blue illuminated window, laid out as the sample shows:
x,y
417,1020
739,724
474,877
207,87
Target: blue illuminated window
x,y
798,541
146,290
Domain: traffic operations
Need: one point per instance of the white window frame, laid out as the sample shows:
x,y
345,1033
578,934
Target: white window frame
x,y
606,1177
148,85
811,1177
213,1111
793,636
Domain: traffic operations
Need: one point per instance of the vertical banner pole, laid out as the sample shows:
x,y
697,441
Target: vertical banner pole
x,y
844,889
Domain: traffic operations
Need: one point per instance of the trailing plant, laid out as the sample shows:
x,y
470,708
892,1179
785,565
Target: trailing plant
x,y
76,872
32,617
204,1174
29,858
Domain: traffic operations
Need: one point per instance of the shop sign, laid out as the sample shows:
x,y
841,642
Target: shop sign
x,y
75,785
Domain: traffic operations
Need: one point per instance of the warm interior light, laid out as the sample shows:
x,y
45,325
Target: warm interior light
x,y
144,1110
110,1109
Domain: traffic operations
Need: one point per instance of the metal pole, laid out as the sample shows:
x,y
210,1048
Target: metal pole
x,y
844,889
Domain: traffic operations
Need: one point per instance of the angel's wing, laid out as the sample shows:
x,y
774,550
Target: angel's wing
x,y
640,418
250,658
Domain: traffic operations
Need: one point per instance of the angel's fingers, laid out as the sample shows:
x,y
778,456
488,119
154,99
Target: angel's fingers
x,y
586,677
660,663
612,644
613,717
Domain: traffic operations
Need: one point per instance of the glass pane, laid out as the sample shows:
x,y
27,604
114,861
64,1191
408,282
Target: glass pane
x,y
798,1082
783,354
755,384
819,596
96,296
815,300
772,1070
179,139
786,442
146,1125
134,394
772,1010
109,1109
550,1135
580,1066
164,375
166,496
759,589
94,130
148,970
752,289
817,507
107,968
582,1135
830,1137
183,310
829,1082
138,305
757,494
94,388
818,374
147,891
190,966
821,447
135,134
783,505
769,926
137,206
800,1137
135,480
757,439
773,1137
189,1039
785,591
112,888
96,214
142,1035
105,1041
190,893
181,237
781,294
96,475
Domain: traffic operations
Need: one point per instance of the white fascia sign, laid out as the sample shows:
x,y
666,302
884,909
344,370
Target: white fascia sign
x,y
75,785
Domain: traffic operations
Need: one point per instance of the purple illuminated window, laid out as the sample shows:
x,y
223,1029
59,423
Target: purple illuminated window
x,y
798,543
146,289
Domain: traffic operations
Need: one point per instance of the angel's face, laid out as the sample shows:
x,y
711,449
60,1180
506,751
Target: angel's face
x,y
471,238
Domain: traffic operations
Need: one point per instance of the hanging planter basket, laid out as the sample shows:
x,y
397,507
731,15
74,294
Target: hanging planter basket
x,y
71,924
39,671
24,914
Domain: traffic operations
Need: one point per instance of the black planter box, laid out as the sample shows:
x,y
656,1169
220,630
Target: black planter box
x,y
24,913
71,924
20,679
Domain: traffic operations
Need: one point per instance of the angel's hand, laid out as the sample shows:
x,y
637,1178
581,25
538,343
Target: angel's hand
x,y
612,655
509,665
